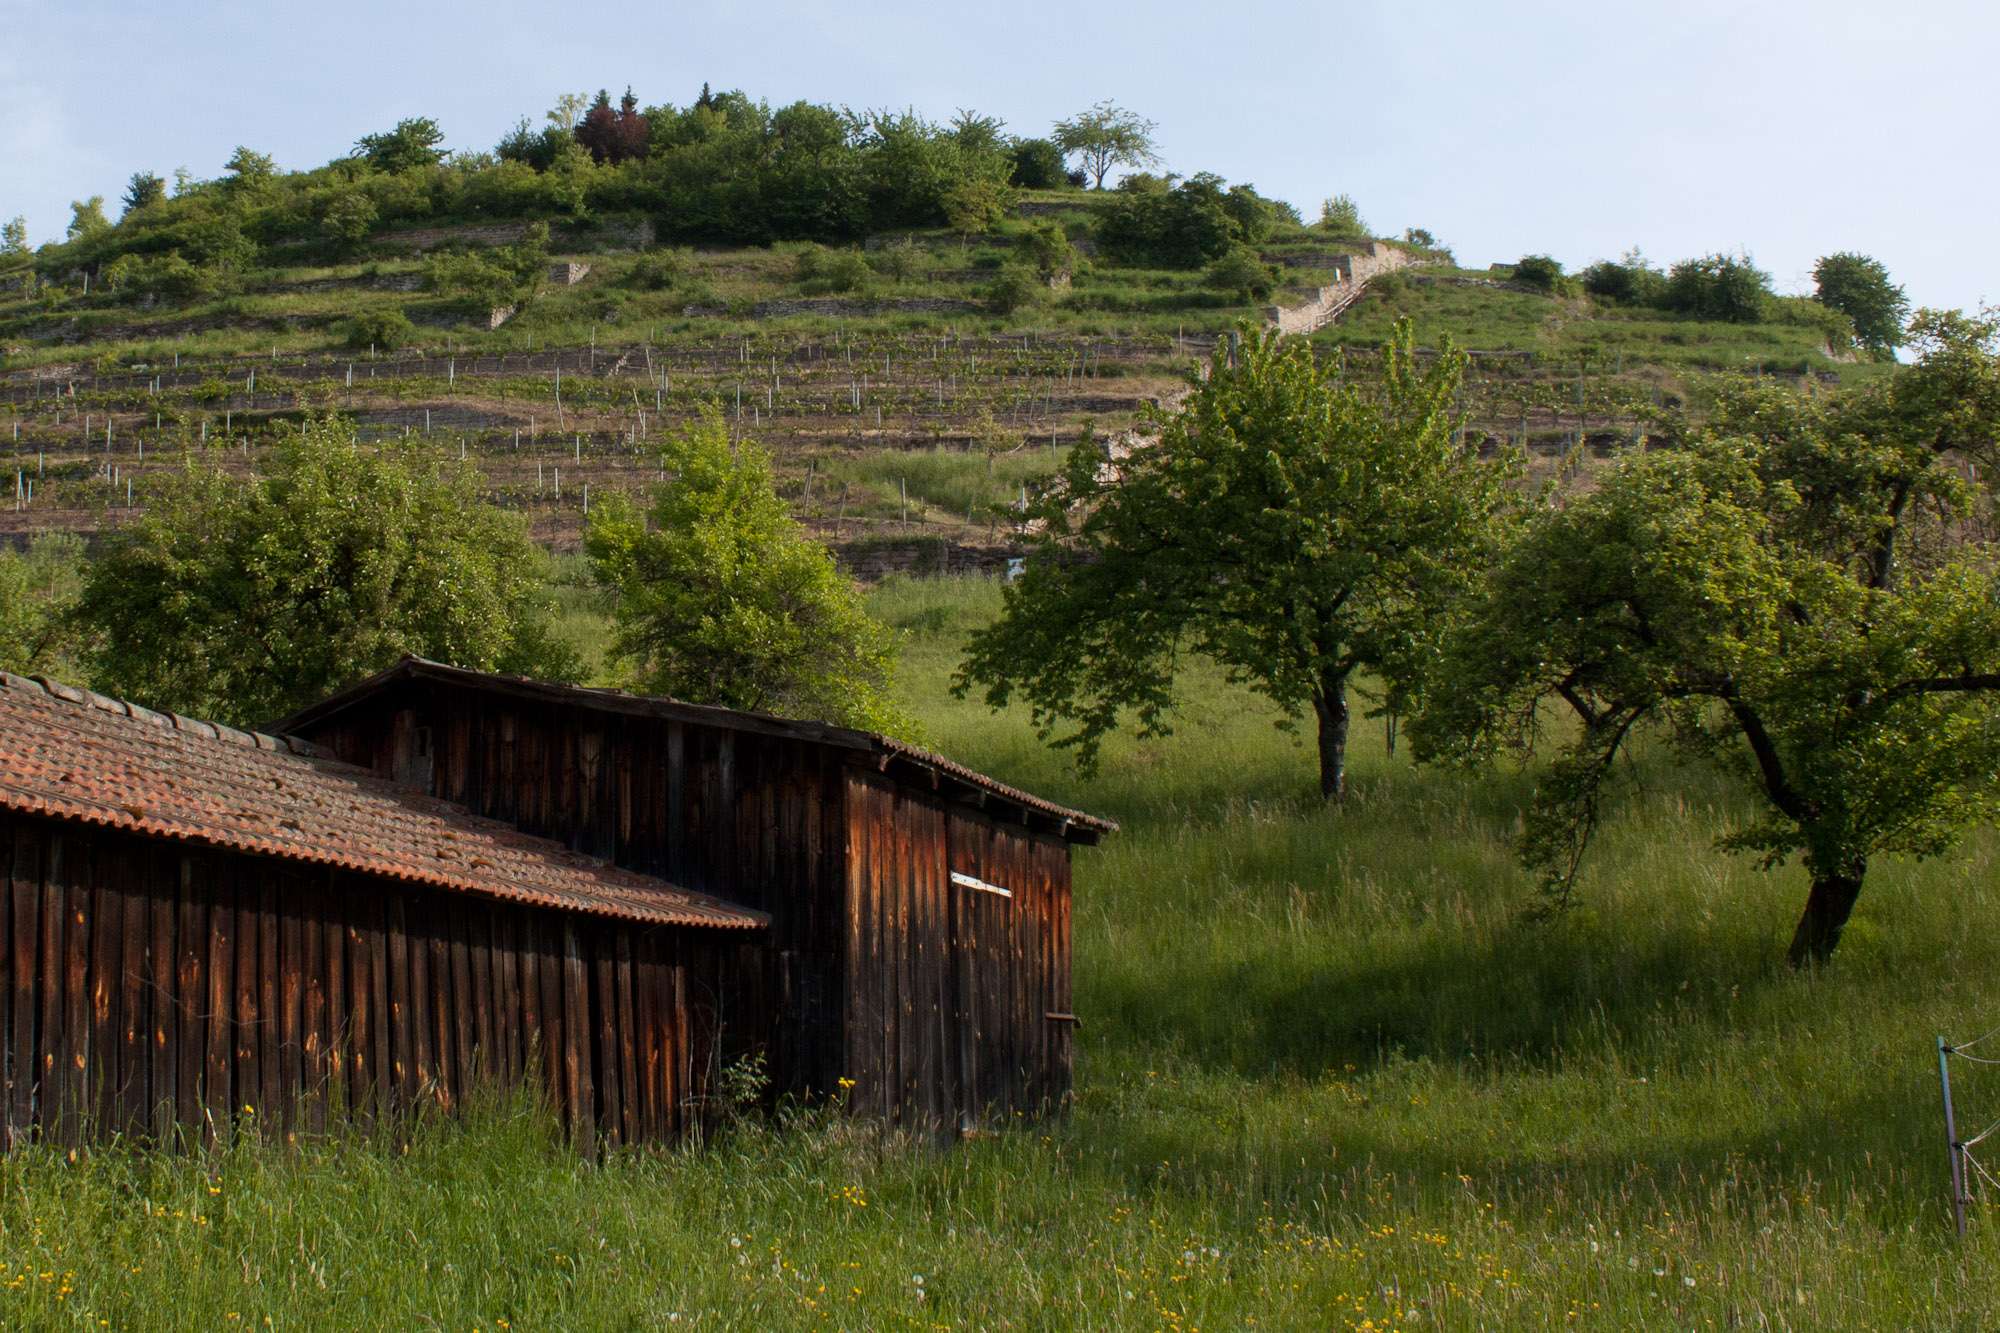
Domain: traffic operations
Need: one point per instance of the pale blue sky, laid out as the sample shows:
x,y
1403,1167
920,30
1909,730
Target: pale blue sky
x,y
1580,129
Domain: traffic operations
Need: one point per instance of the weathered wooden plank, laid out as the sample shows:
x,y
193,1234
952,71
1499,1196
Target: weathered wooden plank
x,y
610,1073
676,796
163,985
191,1001
107,915
404,1074
551,965
246,1074
137,877
312,1072
504,922
339,1025
24,906
429,970
581,1100
74,1106
220,1043
457,999
490,1066
628,1052
363,980
287,1015
272,1089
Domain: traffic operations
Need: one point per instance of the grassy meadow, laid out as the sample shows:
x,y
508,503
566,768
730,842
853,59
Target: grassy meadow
x,y
1331,1076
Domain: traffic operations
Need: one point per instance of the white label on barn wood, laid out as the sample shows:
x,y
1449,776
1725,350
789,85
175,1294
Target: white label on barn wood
x,y
973,882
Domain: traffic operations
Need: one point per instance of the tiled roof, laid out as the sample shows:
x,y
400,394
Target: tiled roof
x,y
71,754
618,701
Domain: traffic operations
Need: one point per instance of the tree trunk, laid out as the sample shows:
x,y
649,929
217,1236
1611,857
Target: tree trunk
x,y
1827,910
1330,704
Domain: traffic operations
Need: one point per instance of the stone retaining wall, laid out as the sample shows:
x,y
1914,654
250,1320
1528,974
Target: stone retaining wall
x,y
1367,261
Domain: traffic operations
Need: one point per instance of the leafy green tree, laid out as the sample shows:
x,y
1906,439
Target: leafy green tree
x,y
349,218
1045,247
37,589
1542,273
1038,165
14,236
1243,272
1859,288
145,188
1107,136
1628,281
1798,597
1186,226
1294,527
485,280
411,145
724,599
243,598
1720,287
87,218
1341,216
249,172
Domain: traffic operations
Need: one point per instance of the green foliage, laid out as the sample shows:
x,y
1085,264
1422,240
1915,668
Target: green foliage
x,y
1186,227
349,218
1038,165
1045,247
978,204
1859,288
724,599
242,599
14,236
658,270
820,270
1341,216
249,172
485,280
87,218
1795,597
1543,274
144,190
382,329
1015,288
1107,136
1629,282
37,589
1720,287
1293,528
412,144
1243,273
166,277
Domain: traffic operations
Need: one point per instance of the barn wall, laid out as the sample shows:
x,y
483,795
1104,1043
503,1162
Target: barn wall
x,y
158,990
750,818
948,1023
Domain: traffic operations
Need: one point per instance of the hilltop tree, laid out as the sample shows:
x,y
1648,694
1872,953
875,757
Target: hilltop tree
x,y
1721,287
249,171
614,136
1107,136
724,599
412,144
1797,597
1859,288
87,217
14,236
243,598
1292,527
145,188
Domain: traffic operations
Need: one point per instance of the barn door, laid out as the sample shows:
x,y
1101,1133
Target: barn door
x,y
986,974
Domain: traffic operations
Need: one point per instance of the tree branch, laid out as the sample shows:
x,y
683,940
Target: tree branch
x,y
1769,763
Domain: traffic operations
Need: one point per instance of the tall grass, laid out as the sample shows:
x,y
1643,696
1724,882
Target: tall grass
x,y
1331,1076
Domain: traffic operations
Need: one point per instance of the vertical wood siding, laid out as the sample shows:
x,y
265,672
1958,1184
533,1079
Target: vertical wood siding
x,y
754,819
169,993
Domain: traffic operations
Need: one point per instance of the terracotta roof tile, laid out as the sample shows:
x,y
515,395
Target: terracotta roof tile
x,y
72,754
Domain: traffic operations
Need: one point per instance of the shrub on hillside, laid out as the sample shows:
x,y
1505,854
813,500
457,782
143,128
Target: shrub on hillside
x,y
1544,274
1719,287
1187,226
1630,281
1244,273
657,271
384,329
1016,288
1859,288
1038,165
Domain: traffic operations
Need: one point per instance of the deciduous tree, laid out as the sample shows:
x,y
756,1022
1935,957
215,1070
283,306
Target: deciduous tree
x,y
1798,596
243,598
1292,526
1107,136
412,144
724,599
1859,288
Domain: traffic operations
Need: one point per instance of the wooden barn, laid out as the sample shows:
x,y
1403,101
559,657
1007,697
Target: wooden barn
x,y
202,928
919,940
